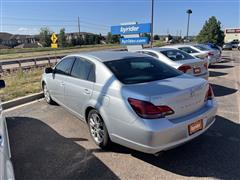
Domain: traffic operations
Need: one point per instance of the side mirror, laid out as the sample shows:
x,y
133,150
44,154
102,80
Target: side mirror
x,y
2,84
48,70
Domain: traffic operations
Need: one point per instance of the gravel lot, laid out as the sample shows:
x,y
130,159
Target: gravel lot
x,y
48,143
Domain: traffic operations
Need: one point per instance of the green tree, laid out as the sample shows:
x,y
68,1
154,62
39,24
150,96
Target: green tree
x,y
112,38
115,39
62,39
109,37
211,32
79,40
45,37
156,37
147,35
169,37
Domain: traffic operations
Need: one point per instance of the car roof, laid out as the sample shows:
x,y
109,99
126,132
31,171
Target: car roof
x,y
159,49
179,45
104,56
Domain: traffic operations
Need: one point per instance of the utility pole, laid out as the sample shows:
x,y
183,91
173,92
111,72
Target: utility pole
x,y
79,34
189,11
152,23
78,26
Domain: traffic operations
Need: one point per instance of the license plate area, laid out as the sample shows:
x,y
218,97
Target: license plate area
x,y
197,70
195,127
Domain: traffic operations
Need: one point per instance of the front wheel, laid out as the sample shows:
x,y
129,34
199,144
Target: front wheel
x,y
98,130
47,96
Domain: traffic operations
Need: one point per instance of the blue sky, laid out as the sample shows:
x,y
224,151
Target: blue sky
x,y
27,16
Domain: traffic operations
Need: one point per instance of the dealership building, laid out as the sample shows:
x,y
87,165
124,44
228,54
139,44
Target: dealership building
x,y
231,34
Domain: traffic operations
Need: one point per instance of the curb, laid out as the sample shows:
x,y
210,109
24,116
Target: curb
x,y
22,100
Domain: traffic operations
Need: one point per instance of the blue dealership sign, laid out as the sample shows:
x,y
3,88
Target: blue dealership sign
x,y
131,29
134,41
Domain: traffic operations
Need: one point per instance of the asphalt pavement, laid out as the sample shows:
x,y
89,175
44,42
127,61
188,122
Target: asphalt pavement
x,y
48,143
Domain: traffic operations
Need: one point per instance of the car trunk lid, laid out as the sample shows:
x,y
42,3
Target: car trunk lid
x,y
184,94
198,66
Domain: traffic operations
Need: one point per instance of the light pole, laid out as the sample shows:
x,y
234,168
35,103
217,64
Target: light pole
x,y
189,11
152,13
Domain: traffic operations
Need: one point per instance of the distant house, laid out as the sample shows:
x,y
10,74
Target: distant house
x,y
75,35
12,40
27,45
232,34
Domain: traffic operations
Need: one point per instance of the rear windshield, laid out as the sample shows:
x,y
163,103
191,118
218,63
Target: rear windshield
x,y
177,55
188,50
202,47
140,70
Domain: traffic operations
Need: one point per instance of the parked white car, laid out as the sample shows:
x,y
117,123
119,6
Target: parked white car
x,y
200,51
179,60
6,168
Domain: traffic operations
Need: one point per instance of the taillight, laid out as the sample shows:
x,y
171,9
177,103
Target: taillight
x,y
210,54
206,65
148,110
209,94
184,68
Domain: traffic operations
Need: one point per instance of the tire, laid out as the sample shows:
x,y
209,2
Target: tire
x,y
47,95
98,129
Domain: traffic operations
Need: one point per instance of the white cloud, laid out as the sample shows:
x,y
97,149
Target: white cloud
x,y
25,30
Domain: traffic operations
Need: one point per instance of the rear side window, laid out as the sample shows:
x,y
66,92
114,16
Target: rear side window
x,y
176,55
140,70
150,54
65,66
83,69
188,50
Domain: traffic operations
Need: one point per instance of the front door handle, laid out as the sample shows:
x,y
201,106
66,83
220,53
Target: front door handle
x,y
62,83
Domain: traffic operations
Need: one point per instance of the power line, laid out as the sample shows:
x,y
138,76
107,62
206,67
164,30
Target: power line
x,y
117,1
55,20
55,25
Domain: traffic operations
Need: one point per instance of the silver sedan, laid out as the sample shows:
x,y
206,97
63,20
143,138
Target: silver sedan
x,y
179,60
131,99
6,168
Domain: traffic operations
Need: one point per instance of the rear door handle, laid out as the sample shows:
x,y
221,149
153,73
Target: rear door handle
x,y
87,91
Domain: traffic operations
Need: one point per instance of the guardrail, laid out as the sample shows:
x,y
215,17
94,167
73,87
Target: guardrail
x,y
28,63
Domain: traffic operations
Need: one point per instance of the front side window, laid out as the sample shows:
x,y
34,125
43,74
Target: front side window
x,y
176,55
83,69
188,50
140,70
64,66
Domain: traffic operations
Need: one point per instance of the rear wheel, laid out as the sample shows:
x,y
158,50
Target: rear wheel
x,y
97,129
47,96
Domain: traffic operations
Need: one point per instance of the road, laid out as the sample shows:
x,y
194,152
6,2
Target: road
x,y
49,143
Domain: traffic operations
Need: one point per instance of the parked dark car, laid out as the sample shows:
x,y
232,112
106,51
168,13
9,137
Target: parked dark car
x,y
214,46
227,46
235,43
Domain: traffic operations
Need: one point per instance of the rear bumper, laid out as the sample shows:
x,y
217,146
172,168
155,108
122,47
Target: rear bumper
x,y
153,136
215,60
204,76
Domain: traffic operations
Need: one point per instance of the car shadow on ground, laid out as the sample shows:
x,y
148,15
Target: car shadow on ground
x,y
216,74
222,90
39,152
226,59
220,66
213,154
